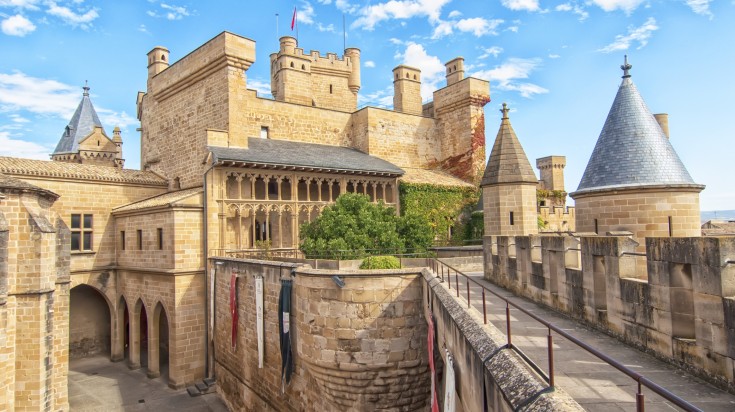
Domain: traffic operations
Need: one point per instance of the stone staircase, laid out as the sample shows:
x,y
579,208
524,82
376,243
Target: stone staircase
x,y
206,386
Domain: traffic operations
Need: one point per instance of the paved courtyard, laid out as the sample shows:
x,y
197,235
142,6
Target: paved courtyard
x,y
98,385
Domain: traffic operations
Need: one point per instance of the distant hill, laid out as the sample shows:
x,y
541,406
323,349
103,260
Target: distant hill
x,y
717,214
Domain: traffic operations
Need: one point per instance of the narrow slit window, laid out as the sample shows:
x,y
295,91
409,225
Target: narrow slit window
x,y
512,220
159,232
597,232
140,239
671,227
122,240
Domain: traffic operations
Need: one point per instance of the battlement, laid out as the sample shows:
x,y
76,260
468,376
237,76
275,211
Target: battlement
x,y
677,298
311,79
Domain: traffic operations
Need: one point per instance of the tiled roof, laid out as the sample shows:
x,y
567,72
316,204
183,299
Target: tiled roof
x,y
166,199
82,123
9,182
508,162
632,150
433,177
44,168
269,153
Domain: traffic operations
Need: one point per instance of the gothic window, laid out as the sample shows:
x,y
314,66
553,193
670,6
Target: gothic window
x,y
81,232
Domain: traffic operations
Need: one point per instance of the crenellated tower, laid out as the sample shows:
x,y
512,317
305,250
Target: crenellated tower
x,y
314,80
407,90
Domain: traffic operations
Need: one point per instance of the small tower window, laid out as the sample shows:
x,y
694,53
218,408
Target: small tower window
x,y
330,89
512,221
407,76
597,231
263,132
396,76
303,67
414,77
291,64
671,227
139,238
163,57
159,232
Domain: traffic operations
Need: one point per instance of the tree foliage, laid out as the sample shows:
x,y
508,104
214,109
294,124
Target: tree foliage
x,y
354,228
380,262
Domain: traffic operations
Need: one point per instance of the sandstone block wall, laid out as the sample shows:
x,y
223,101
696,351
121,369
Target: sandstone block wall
x,y
645,213
501,200
679,307
502,383
34,268
361,347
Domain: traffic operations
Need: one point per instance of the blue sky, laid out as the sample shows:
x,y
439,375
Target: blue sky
x,y
555,62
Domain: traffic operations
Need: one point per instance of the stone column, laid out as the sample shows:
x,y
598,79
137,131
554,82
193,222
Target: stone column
x,y
118,334
134,337
154,370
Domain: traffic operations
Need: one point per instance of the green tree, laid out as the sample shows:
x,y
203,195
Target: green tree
x,y
354,228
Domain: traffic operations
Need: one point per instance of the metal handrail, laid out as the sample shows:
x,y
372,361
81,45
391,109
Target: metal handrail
x,y
438,267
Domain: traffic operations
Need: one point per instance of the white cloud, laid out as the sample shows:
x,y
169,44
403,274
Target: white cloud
x,y
373,14
514,29
20,4
113,118
345,6
454,13
700,7
635,34
17,26
369,63
432,69
395,41
72,18
170,12
479,26
507,76
173,12
380,98
306,13
41,96
263,88
323,28
554,56
143,29
21,148
625,5
490,51
574,8
326,2
530,5
18,118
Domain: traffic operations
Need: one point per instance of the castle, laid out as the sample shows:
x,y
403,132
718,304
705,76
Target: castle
x,y
122,256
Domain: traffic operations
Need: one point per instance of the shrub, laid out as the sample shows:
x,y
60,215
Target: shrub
x,y
380,262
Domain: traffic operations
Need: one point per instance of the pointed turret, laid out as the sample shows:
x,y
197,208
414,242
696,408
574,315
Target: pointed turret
x,y
634,180
84,139
509,186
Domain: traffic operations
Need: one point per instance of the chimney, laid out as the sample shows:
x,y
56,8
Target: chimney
x,y
663,121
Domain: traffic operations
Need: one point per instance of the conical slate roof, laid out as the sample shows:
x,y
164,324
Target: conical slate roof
x,y
632,150
81,125
508,162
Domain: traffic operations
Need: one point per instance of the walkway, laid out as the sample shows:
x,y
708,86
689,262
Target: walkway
x,y
592,383
98,385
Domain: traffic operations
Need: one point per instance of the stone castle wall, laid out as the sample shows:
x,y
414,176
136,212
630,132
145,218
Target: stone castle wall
x,y
645,213
361,347
502,200
205,92
681,307
34,299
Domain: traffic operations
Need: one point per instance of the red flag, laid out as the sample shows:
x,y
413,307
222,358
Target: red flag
x,y
293,20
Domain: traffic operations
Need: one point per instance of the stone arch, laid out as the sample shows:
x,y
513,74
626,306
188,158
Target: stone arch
x,y
159,342
121,332
90,330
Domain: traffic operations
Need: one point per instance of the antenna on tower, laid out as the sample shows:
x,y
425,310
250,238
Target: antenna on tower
x,y
344,33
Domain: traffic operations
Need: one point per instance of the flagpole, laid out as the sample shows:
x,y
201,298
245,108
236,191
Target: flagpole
x,y
277,34
344,33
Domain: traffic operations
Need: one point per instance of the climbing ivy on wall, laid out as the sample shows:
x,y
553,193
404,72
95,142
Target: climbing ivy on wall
x,y
441,205
542,194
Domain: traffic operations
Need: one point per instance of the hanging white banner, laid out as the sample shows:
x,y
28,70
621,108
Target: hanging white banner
x,y
259,317
449,393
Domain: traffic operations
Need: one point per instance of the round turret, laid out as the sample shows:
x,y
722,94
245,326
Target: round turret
x,y
288,45
157,60
353,82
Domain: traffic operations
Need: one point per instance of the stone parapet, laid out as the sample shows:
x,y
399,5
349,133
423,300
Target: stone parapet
x,y
674,299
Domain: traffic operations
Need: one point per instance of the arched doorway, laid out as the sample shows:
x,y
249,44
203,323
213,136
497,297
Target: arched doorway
x,y
89,322
121,334
159,350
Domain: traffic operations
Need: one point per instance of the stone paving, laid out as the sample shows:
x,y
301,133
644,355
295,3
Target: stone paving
x,y
595,385
98,385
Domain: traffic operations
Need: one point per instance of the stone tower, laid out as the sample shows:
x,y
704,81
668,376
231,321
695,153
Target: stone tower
x,y
455,70
314,80
634,180
157,61
552,179
84,139
509,186
407,89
